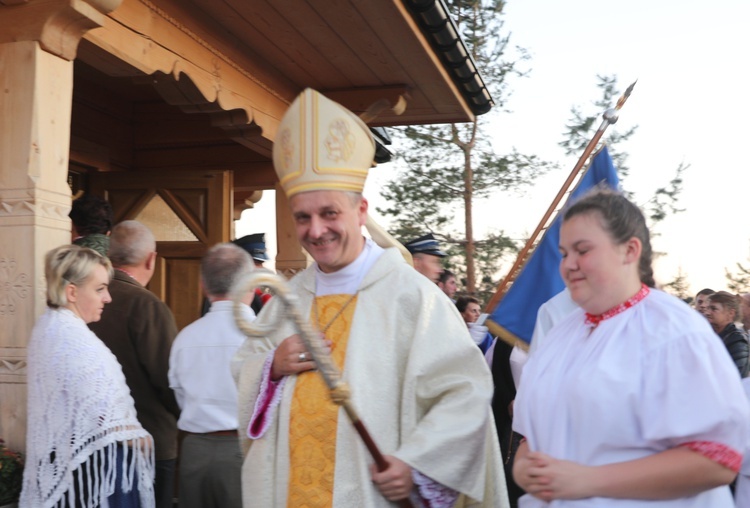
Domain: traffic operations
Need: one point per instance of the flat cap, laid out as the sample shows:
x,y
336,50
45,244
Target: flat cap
x,y
254,244
426,244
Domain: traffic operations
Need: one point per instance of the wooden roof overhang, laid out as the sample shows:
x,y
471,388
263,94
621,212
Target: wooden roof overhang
x,y
230,68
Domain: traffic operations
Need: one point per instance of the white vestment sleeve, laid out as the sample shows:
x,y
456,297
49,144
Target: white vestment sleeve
x,y
247,365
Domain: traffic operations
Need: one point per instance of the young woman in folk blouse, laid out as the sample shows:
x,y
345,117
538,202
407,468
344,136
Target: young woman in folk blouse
x,y
631,398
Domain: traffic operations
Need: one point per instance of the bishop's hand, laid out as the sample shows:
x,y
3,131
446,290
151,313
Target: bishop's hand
x,y
291,357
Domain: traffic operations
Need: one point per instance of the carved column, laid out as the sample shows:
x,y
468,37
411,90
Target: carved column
x,y
37,43
291,258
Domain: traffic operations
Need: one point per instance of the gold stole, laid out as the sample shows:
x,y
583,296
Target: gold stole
x,y
314,417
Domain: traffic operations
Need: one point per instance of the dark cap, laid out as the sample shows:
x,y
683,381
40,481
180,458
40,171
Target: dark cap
x,y
425,245
255,244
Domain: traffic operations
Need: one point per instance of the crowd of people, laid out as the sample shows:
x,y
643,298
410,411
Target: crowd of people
x,y
628,397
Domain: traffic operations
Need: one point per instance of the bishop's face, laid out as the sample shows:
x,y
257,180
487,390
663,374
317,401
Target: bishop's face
x,y
329,226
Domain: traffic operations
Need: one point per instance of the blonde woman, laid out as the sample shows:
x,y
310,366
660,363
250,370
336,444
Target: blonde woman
x,y
85,447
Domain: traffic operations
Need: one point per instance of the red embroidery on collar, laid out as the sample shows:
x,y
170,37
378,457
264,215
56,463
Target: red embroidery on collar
x,y
594,320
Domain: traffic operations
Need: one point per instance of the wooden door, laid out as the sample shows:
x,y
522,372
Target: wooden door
x,y
188,212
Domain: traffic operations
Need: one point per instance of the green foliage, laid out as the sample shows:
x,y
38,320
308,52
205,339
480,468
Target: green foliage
x,y
665,199
486,262
11,474
581,128
679,287
448,168
481,27
739,281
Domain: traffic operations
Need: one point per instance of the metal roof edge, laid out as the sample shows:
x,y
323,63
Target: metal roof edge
x,y
438,26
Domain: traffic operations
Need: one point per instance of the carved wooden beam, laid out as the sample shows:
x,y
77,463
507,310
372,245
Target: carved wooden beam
x,y
204,73
185,94
58,25
244,200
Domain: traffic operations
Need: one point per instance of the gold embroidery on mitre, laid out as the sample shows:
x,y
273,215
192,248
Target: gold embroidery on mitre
x,y
322,146
340,141
287,148
314,416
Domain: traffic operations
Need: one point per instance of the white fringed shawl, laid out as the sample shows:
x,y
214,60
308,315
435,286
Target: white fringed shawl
x,y
79,411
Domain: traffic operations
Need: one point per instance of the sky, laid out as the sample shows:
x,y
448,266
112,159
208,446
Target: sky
x,y
690,105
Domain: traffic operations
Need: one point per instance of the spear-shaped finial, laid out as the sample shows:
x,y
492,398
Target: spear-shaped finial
x,y
625,96
610,116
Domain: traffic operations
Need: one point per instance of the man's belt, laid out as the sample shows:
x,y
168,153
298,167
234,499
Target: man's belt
x,y
215,433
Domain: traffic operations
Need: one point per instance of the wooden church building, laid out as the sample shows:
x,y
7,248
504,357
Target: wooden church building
x,y
169,109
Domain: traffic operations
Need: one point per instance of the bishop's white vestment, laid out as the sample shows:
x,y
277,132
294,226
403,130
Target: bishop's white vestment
x,y
418,382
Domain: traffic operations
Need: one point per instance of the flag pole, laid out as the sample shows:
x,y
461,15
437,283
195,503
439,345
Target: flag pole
x,y
609,117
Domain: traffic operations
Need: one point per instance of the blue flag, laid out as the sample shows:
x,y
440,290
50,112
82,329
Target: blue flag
x,y
514,317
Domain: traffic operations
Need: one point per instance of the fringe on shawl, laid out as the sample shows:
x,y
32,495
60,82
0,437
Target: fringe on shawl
x,y
96,476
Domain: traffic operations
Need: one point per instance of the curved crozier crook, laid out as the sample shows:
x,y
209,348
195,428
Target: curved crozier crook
x,y
248,283
310,337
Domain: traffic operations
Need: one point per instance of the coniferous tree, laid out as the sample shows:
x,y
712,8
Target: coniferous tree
x,y
739,280
580,130
679,287
448,168
664,200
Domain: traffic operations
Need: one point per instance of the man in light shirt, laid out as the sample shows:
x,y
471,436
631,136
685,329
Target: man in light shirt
x,y
199,374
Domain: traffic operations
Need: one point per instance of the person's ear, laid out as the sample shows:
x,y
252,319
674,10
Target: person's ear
x,y
71,293
151,261
362,208
633,250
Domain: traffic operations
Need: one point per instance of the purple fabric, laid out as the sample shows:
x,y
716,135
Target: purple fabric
x,y
432,493
267,401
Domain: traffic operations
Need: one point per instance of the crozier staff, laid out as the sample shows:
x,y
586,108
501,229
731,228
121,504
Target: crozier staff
x,y
84,445
416,377
630,399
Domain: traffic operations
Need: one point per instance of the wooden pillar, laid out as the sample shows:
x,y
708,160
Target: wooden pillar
x,y
34,205
291,258
37,43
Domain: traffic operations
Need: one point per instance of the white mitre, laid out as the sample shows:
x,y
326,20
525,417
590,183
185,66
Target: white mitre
x,y
321,145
